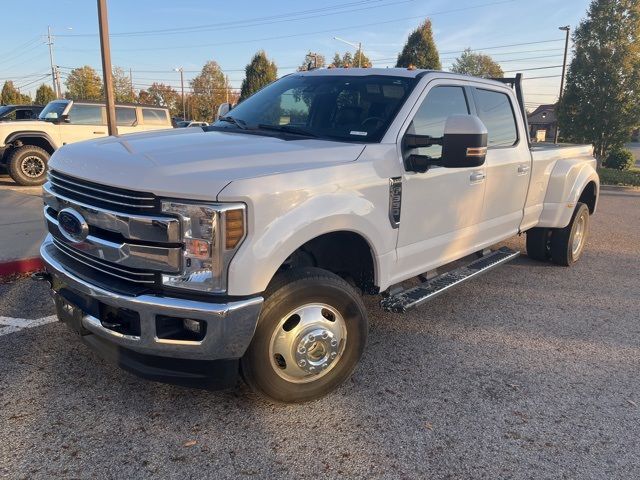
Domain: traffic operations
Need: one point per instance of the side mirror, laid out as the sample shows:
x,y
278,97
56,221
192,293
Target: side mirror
x,y
464,143
64,118
223,109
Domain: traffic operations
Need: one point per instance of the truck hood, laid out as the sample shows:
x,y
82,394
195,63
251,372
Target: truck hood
x,y
192,163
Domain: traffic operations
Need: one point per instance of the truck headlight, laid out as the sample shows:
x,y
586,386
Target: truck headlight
x,y
211,234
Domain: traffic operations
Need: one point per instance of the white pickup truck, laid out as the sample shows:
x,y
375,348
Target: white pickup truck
x,y
193,255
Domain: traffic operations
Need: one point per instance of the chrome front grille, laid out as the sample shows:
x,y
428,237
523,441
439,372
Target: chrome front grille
x,y
102,196
106,268
128,244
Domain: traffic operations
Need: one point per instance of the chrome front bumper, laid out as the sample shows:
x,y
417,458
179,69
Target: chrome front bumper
x,y
230,325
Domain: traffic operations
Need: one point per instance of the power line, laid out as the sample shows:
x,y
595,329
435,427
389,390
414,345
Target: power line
x,y
334,29
529,69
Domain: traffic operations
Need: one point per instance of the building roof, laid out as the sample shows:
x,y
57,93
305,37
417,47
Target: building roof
x,y
544,114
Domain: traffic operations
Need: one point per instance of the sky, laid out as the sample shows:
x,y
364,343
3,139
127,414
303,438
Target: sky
x,y
153,37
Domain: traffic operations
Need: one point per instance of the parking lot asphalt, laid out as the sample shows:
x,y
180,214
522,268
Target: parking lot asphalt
x,y
530,371
21,220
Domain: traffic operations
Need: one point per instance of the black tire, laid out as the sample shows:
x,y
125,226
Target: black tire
x,y
562,239
539,244
28,165
292,290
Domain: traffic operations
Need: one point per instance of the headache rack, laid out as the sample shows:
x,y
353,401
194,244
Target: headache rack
x,y
516,84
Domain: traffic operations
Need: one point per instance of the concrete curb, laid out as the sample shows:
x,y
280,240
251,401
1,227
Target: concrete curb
x,y
619,188
23,265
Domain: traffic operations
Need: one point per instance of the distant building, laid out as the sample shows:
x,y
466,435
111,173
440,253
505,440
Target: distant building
x,y
543,123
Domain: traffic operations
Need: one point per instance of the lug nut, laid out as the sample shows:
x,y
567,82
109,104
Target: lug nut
x,y
325,365
334,342
325,334
311,338
333,355
302,363
312,369
302,350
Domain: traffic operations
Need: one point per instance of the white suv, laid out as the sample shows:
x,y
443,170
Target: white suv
x,y
25,148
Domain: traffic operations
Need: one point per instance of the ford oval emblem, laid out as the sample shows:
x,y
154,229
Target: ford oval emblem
x,y
72,225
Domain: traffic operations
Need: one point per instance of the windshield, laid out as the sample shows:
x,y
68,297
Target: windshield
x,y
5,109
53,110
350,108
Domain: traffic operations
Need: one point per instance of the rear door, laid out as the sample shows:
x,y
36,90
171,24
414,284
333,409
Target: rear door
x,y
126,119
507,165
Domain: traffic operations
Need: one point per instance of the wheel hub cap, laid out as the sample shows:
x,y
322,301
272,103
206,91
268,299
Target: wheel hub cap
x,y
32,166
308,342
578,236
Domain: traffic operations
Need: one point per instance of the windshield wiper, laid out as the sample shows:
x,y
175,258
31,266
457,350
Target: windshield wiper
x,y
236,121
288,129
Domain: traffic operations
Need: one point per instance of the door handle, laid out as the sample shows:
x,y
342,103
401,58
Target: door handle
x,y
99,133
523,169
477,177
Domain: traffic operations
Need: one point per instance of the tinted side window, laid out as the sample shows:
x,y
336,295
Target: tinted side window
x,y
154,116
441,102
86,115
494,109
125,116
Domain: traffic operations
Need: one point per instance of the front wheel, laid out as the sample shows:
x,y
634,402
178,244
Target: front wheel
x,y
310,336
28,165
568,243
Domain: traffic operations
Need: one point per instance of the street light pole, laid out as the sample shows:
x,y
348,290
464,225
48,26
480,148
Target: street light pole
x,y
181,70
354,45
566,29
105,50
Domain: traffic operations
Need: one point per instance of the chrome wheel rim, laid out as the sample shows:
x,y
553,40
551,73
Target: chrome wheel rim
x,y
32,166
308,343
578,236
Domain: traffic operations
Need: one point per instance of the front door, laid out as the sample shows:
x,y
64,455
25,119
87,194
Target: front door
x,y
85,121
441,208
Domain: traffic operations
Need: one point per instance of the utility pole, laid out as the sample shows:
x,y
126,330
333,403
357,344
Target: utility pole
x,y
54,78
226,87
184,110
133,93
105,50
566,29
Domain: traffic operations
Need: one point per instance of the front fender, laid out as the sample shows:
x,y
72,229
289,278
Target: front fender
x,y
568,180
287,211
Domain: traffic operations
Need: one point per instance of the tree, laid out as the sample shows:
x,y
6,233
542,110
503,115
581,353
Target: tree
x,y
258,73
163,96
420,50
312,60
10,94
122,87
349,60
209,89
601,100
44,94
83,83
477,64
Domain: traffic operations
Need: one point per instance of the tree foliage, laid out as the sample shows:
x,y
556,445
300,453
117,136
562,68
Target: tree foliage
x,y
349,60
44,95
209,89
163,96
420,49
258,73
477,64
122,87
10,94
312,60
601,100
83,83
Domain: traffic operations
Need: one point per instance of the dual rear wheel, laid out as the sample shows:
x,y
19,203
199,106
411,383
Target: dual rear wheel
x,y
563,246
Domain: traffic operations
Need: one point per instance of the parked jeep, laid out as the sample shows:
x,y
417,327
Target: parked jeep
x,y
25,148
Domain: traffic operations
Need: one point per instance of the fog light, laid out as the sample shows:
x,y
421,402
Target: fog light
x,y
195,326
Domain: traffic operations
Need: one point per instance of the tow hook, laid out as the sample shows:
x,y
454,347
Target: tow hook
x,y
42,277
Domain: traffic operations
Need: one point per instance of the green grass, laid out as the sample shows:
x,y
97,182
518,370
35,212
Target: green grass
x,y
609,176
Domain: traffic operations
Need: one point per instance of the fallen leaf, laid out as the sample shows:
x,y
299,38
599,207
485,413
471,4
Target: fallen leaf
x,y
428,426
632,403
190,443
